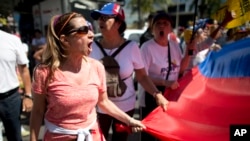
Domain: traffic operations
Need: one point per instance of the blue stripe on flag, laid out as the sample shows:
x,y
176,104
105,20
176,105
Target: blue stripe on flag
x,y
233,60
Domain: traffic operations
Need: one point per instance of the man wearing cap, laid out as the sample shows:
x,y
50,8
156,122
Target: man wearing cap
x,y
111,20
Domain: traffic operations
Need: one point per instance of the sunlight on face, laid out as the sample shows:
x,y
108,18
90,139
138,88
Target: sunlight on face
x,y
81,36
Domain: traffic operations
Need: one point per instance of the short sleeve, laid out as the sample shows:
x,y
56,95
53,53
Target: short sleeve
x,y
21,54
39,79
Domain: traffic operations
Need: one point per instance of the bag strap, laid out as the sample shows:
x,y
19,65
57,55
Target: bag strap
x,y
169,61
101,48
116,52
120,48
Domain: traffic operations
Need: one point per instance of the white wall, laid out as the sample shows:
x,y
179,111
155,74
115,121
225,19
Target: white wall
x,y
49,8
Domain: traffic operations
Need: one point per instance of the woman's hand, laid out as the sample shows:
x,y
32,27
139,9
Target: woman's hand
x,y
136,125
171,84
161,101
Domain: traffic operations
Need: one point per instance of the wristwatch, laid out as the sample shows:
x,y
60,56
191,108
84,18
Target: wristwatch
x,y
156,92
28,96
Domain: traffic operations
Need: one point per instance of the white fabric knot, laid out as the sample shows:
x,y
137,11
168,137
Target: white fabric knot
x,y
84,134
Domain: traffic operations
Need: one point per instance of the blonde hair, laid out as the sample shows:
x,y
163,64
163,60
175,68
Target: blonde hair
x,y
55,53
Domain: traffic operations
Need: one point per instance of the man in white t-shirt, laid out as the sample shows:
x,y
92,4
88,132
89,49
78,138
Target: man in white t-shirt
x,y
11,104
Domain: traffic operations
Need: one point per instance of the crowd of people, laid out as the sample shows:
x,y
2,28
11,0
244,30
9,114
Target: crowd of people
x,y
68,92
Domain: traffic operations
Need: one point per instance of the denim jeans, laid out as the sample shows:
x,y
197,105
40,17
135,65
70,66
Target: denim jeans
x,y
10,108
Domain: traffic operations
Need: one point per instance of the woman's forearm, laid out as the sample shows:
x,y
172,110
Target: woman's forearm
x,y
149,85
111,109
35,124
37,115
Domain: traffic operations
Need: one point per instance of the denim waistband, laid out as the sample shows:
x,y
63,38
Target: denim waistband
x,y
8,93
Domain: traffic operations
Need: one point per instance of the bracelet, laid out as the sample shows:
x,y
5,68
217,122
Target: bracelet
x,y
156,92
28,96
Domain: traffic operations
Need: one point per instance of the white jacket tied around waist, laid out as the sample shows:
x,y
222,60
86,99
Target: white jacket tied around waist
x,y
82,133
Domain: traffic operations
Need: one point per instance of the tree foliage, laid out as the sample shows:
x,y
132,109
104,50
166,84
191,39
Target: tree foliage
x,y
147,6
144,7
206,7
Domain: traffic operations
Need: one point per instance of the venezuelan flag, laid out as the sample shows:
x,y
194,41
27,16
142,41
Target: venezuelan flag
x,y
211,97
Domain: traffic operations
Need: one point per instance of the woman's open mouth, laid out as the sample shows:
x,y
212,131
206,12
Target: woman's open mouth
x,y
90,48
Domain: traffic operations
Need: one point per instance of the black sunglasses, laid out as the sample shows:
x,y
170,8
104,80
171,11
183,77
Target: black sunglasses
x,y
81,30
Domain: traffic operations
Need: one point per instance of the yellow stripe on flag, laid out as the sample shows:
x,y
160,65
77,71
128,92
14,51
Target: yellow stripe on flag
x,y
241,9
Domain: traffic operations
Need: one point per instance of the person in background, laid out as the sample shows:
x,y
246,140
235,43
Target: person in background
x,y
11,103
111,21
37,44
241,33
25,48
38,40
230,36
209,39
24,132
68,85
180,36
147,35
164,63
38,54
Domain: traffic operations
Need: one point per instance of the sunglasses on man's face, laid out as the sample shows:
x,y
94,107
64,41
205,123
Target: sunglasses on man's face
x,y
106,17
83,30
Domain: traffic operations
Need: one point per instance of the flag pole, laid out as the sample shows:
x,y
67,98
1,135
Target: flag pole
x,y
191,52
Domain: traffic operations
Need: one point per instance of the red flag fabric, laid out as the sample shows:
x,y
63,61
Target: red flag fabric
x,y
158,123
211,97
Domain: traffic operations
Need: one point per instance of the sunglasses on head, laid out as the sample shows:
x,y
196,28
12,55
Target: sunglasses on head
x,y
81,30
106,17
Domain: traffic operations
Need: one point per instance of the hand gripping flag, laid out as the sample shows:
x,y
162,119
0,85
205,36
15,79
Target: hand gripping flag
x,y
210,98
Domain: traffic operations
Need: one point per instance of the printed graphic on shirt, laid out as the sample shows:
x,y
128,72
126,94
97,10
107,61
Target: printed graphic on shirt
x,y
173,71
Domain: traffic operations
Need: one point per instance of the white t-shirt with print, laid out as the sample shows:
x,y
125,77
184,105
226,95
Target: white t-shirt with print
x,y
129,59
156,62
